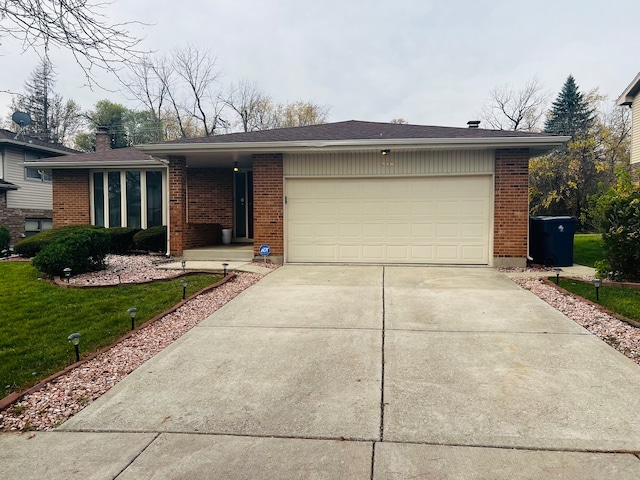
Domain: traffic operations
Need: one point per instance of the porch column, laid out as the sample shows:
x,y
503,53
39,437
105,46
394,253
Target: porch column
x,y
177,203
268,204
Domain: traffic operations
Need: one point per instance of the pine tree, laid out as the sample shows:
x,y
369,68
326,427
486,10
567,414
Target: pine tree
x,y
570,113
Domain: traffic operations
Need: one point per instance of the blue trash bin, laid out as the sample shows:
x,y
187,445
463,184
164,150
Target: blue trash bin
x,y
551,240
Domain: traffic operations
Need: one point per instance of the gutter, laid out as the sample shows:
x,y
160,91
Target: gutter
x,y
545,142
116,164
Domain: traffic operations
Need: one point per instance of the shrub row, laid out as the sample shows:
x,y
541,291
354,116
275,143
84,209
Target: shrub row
x,y
83,248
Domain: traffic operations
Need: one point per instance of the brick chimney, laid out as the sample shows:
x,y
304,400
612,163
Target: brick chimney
x,y
103,139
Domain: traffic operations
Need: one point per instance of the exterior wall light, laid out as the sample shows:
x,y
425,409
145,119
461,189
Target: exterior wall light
x,y
74,338
235,167
386,151
132,312
184,287
597,283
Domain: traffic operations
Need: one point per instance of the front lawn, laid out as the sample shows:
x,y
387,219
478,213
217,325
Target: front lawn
x,y
587,249
621,300
37,317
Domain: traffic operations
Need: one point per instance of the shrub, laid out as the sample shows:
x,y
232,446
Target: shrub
x,y
5,240
621,237
152,239
29,247
122,239
82,250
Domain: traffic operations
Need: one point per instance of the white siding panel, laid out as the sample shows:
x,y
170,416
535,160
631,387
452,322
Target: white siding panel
x,y
635,129
389,220
365,164
32,193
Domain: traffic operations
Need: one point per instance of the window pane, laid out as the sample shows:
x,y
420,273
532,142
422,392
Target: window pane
x,y
32,225
98,198
154,199
32,173
47,224
115,191
134,206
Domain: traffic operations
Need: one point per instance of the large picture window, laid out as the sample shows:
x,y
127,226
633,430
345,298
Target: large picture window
x,y
131,198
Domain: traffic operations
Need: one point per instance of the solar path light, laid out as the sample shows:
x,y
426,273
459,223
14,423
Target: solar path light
x,y
224,268
184,265
557,270
67,273
184,287
597,283
74,338
132,312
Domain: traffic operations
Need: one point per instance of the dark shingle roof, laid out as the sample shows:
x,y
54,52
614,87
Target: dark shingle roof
x,y
9,137
356,130
115,155
4,185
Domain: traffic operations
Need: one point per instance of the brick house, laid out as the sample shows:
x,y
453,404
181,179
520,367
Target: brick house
x,y
347,192
628,98
25,191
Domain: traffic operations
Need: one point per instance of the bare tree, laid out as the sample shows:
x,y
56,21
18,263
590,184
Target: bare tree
x,y
509,109
253,107
75,25
299,114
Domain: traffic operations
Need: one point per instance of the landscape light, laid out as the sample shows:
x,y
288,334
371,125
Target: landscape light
x,y
557,270
132,312
184,265
74,338
184,287
67,273
597,283
224,268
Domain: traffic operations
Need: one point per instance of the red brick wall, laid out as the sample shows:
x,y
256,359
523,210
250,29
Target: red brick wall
x,y
268,203
511,204
210,196
71,197
177,203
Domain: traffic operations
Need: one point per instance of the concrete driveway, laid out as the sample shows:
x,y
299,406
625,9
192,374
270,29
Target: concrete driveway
x,y
361,372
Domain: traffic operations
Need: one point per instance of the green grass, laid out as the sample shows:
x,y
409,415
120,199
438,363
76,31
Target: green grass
x,y
587,249
37,317
621,300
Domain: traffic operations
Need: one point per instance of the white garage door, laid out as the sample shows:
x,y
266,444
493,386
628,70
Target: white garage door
x,y
443,220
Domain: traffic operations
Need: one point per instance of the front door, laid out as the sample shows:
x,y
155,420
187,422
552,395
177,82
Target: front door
x,y
243,205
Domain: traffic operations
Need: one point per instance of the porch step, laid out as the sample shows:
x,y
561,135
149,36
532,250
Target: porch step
x,y
221,253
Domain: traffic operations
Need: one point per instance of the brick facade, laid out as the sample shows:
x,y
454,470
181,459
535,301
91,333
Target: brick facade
x,y
511,208
14,218
268,203
210,196
71,204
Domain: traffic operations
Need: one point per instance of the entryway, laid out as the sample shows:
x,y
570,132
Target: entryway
x,y
243,206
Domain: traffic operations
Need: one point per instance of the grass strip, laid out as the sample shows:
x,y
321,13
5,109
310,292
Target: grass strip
x,y
38,316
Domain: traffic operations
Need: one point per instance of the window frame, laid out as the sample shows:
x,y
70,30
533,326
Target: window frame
x,y
124,217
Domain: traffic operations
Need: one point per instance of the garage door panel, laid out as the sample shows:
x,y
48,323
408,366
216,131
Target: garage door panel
x,y
388,220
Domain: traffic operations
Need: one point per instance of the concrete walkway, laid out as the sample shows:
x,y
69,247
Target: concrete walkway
x,y
361,372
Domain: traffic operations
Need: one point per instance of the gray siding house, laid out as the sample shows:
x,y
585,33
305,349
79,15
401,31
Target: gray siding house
x,y
25,192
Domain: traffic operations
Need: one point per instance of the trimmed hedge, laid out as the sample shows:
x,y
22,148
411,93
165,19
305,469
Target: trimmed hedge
x,y
152,239
29,247
122,239
82,250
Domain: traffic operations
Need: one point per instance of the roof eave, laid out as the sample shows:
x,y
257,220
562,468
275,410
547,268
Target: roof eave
x,y
104,164
630,92
16,143
542,142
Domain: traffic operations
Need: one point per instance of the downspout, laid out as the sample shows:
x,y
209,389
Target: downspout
x,y
168,210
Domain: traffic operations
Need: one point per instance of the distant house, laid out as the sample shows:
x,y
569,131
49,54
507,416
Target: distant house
x,y
26,190
347,192
628,97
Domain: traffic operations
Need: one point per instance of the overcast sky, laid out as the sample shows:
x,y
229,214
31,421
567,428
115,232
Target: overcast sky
x,y
431,62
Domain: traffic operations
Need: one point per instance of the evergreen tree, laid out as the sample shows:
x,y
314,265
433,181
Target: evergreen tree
x,y
570,113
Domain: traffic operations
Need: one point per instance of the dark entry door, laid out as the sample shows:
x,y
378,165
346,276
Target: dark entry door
x,y
243,205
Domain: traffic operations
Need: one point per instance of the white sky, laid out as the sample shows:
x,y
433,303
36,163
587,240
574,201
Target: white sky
x,y
430,62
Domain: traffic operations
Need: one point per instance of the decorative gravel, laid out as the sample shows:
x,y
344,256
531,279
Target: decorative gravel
x,y
126,269
68,394
620,335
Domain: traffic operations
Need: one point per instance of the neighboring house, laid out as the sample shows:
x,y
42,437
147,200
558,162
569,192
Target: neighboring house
x,y
628,98
347,192
25,191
